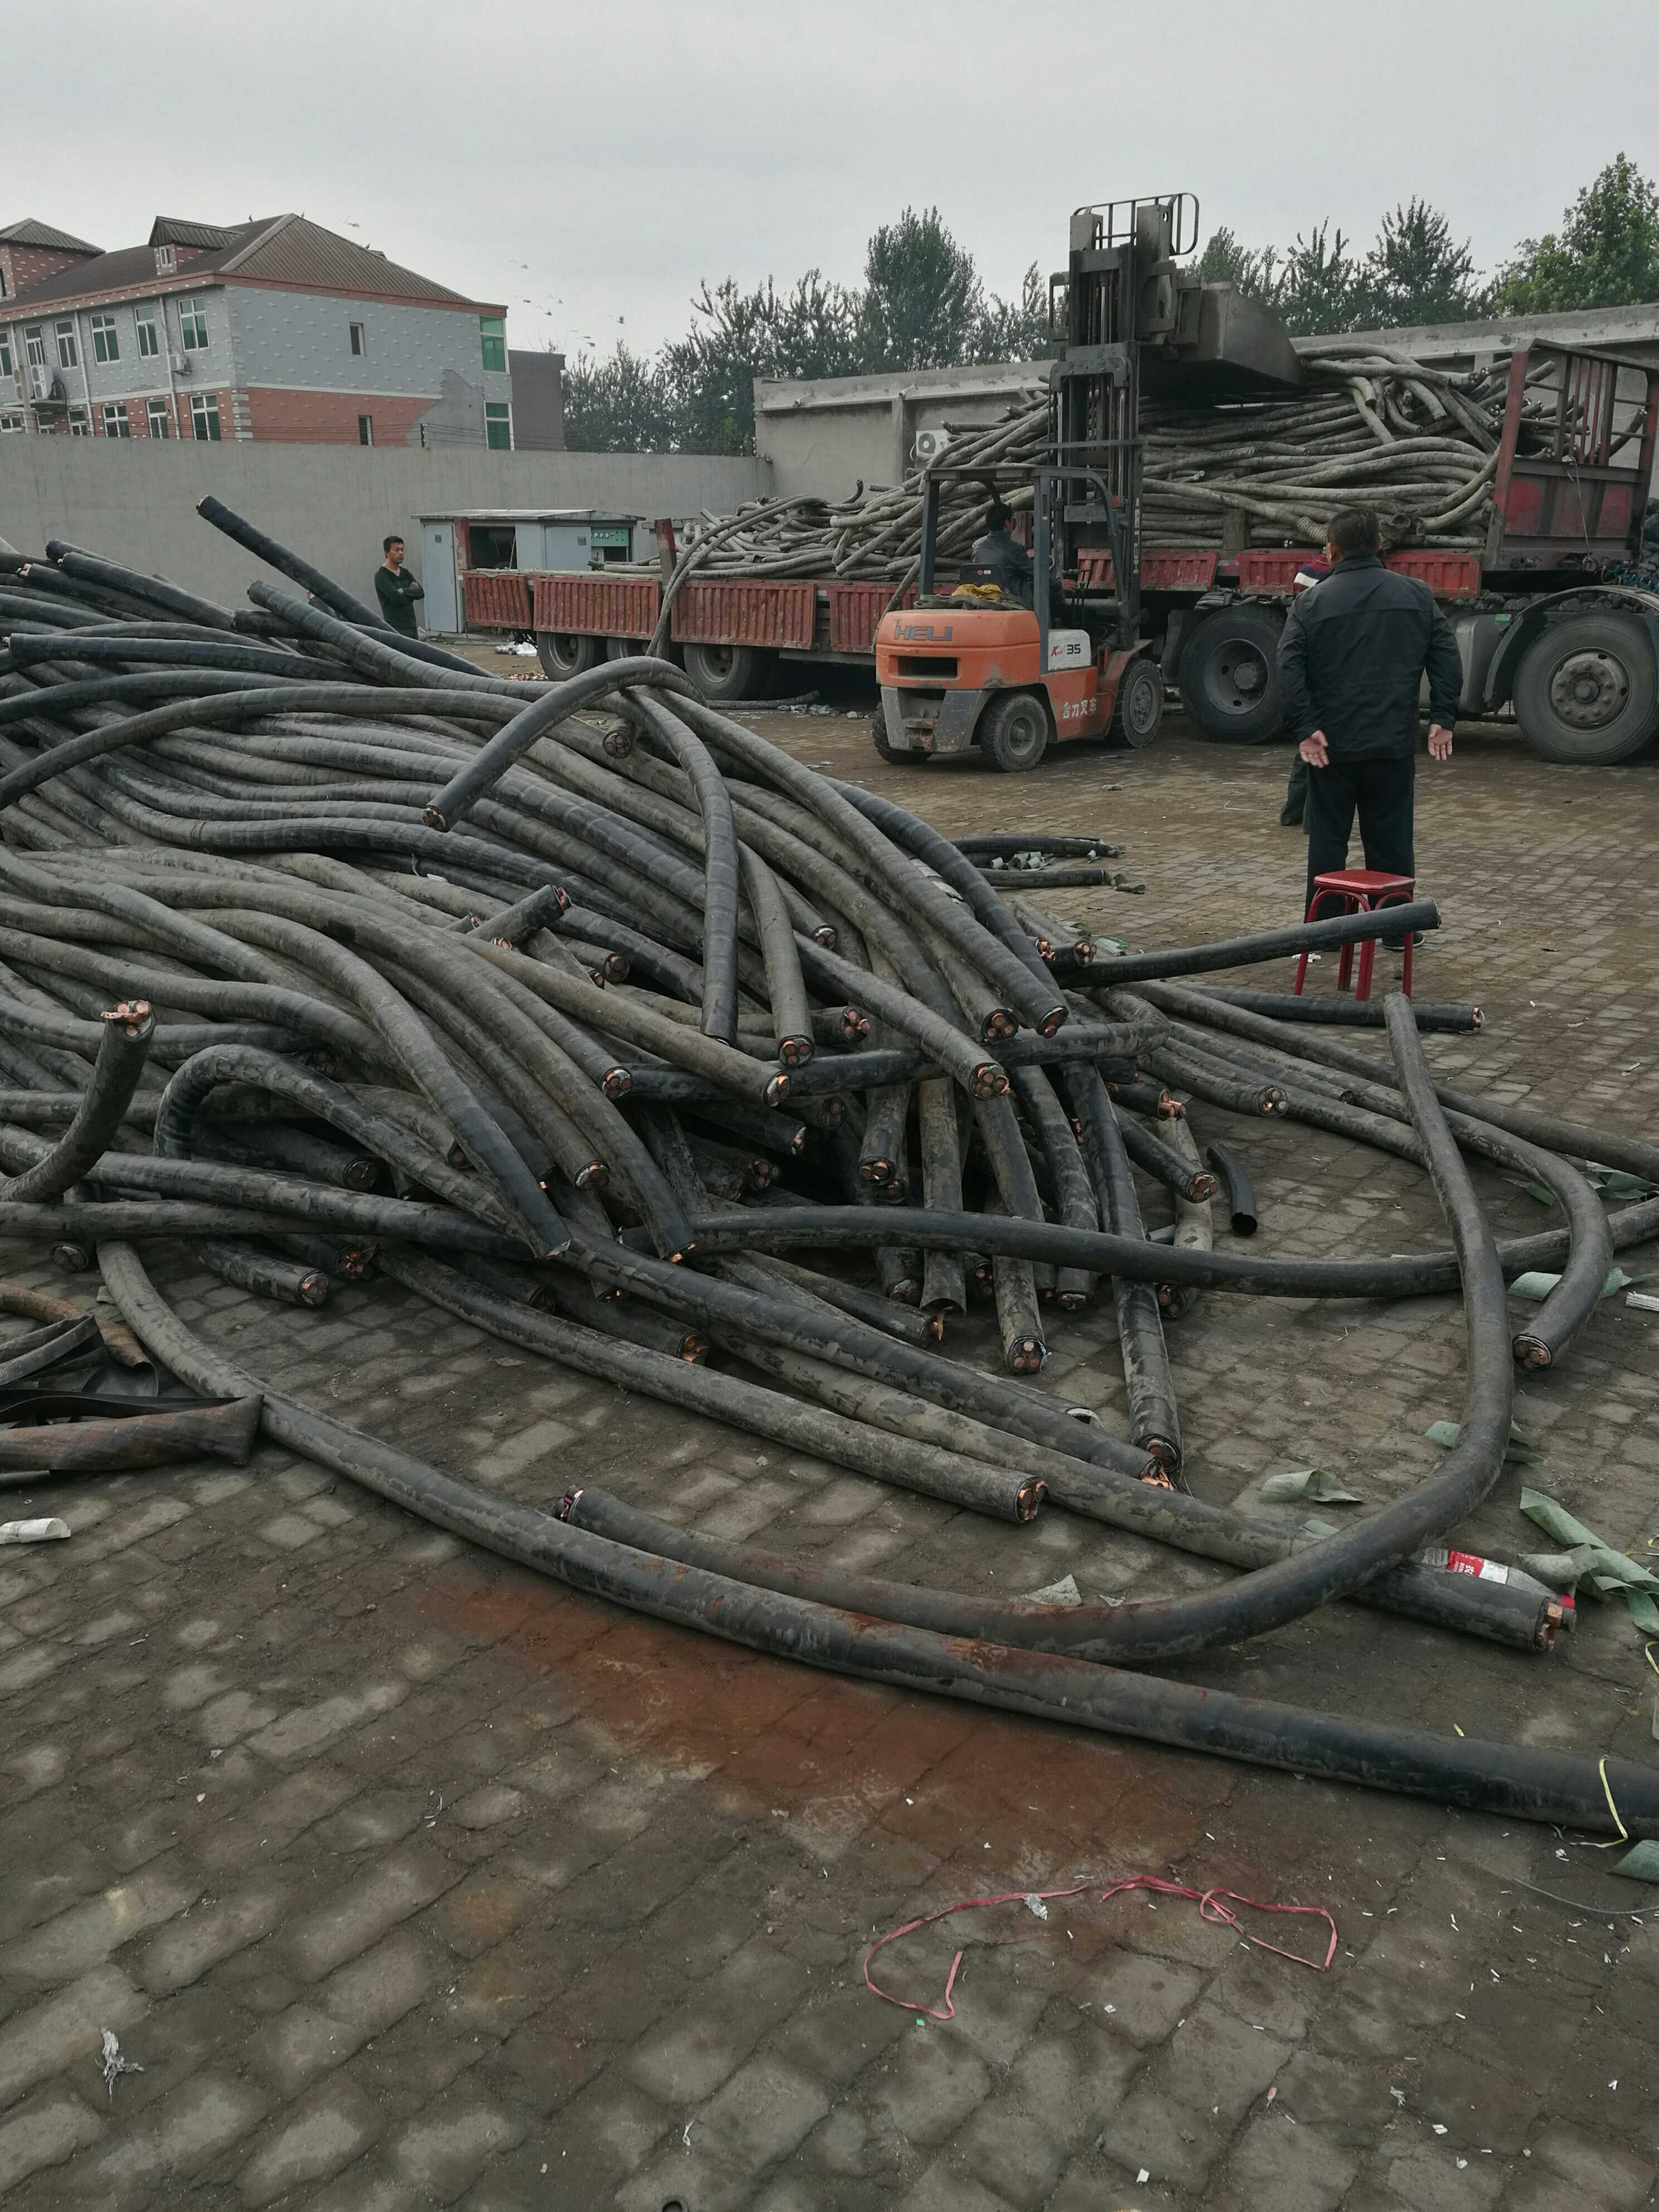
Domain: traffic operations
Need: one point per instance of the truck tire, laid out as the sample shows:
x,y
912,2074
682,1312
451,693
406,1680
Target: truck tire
x,y
1230,676
1139,711
1014,731
563,653
725,673
1587,690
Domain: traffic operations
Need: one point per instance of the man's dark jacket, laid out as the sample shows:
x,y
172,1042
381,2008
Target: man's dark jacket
x,y
397,592
1351,659
1008,561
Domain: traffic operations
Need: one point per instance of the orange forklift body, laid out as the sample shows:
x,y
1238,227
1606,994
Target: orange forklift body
x,y
939,667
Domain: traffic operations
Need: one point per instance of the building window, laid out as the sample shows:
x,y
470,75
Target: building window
x,y
166,261
365,429
498,425
116,424
11,424
5,353
106,345
34,338
492,332
192,324
359,343
161,422
204,415
79,426
148,344
69,356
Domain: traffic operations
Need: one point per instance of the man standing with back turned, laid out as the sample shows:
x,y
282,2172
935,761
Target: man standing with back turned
x,y
1351,660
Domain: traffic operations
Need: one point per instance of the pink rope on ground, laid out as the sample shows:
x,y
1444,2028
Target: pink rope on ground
x,y
1213,1905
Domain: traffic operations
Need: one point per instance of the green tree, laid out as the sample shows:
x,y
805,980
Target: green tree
x,y
735,337
619,405
1015,329
1606,253
1417,272
1225,260
922,304
1318,287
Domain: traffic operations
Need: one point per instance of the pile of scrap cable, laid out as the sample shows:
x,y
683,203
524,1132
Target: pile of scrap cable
x,y
1372,427
587,1015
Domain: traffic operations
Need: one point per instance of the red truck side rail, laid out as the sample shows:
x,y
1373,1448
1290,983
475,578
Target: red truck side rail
x,y
802,617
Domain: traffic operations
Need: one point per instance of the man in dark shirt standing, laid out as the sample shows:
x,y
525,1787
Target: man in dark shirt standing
x,y
397,590
1351,659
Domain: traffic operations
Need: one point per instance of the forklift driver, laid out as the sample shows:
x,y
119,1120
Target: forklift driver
x,y
1009,564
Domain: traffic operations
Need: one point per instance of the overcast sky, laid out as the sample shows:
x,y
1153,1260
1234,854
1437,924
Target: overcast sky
x,y
591,164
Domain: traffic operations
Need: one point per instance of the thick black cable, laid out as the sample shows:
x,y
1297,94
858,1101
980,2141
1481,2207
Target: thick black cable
x,y
1521,1783
123,1051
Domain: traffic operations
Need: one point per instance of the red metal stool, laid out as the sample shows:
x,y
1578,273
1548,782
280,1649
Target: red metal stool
x,y
1361,890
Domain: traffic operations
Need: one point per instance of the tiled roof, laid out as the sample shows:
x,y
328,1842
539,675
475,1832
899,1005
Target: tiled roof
x,y
30,233
168,230
282,250
292,251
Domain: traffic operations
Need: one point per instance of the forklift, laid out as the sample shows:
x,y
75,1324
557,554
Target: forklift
x,y
969,667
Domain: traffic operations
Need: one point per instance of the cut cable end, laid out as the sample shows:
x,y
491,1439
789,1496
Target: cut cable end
x,y
136,1015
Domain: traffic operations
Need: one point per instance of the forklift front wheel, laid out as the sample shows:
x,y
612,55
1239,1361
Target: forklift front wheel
x,y
888,751
1139,709
1013,730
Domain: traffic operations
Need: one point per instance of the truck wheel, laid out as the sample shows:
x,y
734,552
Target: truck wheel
x,y
1587,691
725,672
1230,676
1013,730
1139,711
563,653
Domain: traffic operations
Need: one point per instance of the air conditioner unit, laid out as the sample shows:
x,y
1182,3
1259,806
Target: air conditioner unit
x,y
930,446
40,382
179,363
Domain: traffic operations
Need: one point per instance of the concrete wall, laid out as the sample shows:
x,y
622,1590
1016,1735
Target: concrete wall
x,y
1631,332
825,434
135,502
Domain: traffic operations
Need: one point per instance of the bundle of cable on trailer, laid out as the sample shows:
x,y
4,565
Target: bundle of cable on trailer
x,y
582,1013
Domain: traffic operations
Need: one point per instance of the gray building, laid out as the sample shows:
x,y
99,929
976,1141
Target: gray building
x,y
270,330
537,401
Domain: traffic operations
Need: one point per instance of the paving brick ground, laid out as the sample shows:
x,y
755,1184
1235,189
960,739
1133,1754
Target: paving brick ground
x,y
410,1881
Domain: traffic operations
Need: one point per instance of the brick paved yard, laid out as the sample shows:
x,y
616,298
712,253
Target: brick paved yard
x,y
411,1880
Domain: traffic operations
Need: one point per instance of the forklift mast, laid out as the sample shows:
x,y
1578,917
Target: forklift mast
x,y
1120,290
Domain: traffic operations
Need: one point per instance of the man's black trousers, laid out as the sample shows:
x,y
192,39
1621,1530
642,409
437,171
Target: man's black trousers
x,y
1383,792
